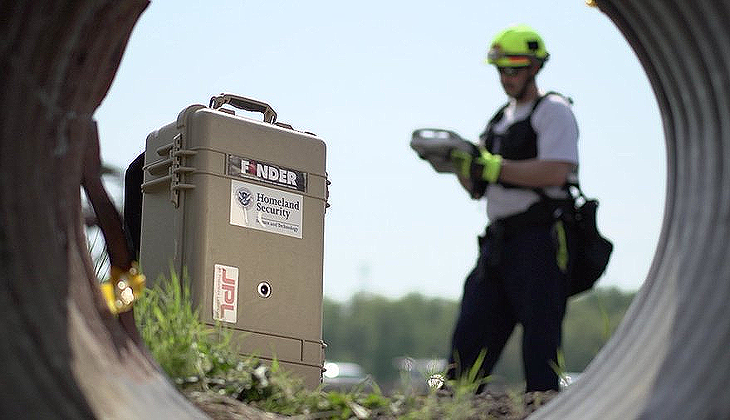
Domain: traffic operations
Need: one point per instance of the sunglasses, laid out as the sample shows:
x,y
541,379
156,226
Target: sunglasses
x,y
511,71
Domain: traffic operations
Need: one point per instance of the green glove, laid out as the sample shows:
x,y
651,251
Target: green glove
x,y
491,165
462,162
484,167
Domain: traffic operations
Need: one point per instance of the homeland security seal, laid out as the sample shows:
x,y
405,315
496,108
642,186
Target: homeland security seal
x,y
244,198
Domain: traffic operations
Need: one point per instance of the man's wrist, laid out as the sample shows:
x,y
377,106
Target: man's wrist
x,y
492,169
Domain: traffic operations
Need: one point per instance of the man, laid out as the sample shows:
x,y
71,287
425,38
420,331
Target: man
x,y
526,155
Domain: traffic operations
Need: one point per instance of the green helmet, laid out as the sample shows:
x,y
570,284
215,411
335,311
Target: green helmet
x,y
514,46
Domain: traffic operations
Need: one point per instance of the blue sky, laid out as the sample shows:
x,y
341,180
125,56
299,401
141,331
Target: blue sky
x,y
363,76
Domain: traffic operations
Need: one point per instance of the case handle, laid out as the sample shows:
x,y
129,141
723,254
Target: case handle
x,y
246,104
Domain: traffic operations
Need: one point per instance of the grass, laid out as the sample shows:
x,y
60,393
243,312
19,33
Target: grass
x,y
198,358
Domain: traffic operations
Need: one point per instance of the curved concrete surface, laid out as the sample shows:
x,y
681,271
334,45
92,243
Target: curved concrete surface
x,y
670,358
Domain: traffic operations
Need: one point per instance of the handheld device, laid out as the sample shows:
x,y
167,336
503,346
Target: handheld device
x,y
435,145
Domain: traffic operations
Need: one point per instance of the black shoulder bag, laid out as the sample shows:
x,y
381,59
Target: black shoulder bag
x,y
588,249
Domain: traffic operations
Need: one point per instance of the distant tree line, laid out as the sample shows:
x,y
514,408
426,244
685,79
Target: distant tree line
x,y
373,330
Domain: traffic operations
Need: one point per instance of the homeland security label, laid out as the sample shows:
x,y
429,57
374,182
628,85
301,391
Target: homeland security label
x,y
250,168
267,209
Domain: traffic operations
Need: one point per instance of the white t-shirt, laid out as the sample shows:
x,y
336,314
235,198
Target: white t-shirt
x,y
557,140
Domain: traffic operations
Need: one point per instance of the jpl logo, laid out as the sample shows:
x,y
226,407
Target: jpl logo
x,y
225,293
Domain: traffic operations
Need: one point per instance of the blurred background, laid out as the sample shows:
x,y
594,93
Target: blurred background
x,y
399,238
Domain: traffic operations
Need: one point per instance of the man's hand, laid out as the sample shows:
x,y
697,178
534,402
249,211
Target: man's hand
x,y
491,166
484,167
462,162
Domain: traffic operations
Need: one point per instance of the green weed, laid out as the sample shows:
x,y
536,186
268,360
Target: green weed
x,y
454,399
186,349
559,367
197,357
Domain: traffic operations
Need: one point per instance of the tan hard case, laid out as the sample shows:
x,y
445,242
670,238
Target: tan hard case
x,y
186,227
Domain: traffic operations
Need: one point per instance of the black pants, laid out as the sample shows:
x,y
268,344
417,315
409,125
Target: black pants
x,y
516,280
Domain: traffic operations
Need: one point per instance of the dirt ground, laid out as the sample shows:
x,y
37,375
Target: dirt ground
x,y
498,406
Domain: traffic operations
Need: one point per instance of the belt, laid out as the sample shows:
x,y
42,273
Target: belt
x,y
540,213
